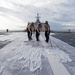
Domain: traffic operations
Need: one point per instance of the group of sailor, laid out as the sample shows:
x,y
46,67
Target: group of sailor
x,y
31,28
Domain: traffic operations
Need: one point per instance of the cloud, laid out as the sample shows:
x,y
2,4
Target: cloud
x,y
57,12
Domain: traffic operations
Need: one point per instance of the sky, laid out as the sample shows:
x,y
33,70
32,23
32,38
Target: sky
x,y
15,14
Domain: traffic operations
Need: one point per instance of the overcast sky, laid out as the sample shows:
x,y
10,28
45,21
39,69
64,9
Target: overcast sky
x,y
15,14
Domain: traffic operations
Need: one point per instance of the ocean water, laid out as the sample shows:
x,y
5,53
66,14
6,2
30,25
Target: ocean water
x,y
66,37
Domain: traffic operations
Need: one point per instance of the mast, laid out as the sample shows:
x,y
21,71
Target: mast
x,y
37,17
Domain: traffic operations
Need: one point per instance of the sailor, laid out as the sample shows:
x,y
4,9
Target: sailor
x,y
30,28
38,28
47,31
